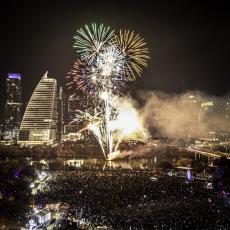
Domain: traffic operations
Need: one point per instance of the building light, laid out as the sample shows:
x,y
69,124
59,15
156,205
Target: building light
x,y
14,76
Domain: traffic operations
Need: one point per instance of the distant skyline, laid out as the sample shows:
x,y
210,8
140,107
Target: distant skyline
x,y
188,42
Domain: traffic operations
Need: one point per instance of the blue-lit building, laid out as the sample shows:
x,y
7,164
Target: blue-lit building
x,y
13,107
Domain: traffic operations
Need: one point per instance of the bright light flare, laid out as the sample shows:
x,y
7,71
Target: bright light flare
x,y
111,62
128,121
104,95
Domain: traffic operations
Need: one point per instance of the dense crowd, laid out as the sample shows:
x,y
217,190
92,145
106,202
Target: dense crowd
x,y
125,199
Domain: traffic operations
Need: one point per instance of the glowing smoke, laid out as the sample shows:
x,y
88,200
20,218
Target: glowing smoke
x,y
192,114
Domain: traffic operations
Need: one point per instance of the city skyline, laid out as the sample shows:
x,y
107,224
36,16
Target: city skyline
x,y
114,115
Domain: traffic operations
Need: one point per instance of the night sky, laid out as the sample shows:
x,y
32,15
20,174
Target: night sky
x,y
188,42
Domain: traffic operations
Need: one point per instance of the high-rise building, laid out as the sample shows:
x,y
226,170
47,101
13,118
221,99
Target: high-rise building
x,y
73,106
71,125
39,123
13,106
60,109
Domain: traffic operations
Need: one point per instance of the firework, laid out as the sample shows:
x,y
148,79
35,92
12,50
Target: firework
x,y
107,62
97,133
77,76
104,74
111,62
111,122
89,41
134,49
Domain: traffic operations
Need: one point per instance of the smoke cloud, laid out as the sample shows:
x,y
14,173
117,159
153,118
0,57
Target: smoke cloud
x,y
192,114
137,152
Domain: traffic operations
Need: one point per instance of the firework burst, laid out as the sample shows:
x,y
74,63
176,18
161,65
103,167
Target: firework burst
x,y
90,40
104,74
134,49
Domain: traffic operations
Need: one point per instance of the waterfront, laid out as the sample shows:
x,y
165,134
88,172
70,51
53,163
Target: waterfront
x,y
161,165
68,187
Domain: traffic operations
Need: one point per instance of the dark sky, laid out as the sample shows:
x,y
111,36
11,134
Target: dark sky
x,y
188,41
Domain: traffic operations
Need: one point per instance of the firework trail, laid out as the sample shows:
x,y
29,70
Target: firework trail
x,y
96,131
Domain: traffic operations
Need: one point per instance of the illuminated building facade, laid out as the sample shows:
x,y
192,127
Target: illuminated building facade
x,y
13,107
39,123
39,219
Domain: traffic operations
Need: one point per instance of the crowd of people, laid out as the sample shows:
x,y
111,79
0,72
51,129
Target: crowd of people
x,y
129,199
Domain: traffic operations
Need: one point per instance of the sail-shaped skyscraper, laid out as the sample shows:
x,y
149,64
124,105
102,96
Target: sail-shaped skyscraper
x,y
39,123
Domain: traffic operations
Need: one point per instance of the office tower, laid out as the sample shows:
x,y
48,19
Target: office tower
x,y
13,107
39,123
